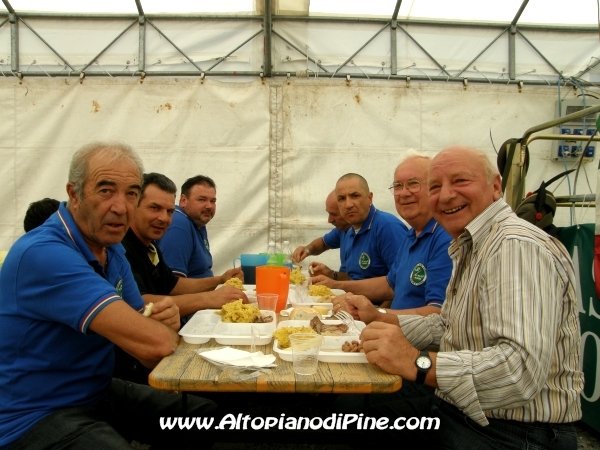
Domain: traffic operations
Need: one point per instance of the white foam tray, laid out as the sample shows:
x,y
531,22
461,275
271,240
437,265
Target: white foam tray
x,y
331,349
311,300
206,325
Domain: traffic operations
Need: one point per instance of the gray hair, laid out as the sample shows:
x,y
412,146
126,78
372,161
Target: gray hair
x,y
111,152
490,171
410,154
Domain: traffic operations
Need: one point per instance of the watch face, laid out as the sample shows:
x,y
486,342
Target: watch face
x,y
423,362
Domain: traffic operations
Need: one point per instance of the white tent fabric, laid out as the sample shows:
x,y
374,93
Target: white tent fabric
x,y
81,41
274,148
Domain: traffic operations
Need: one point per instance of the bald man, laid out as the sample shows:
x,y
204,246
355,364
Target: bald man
x,y
371,243
331,240
506,365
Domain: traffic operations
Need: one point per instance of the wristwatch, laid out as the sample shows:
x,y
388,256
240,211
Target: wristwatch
x,y
423,363
382,310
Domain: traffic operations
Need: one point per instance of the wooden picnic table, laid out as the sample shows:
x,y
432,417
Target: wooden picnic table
x,y
185,371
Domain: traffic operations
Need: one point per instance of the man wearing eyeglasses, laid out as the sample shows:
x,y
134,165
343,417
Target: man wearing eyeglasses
x,y
419,277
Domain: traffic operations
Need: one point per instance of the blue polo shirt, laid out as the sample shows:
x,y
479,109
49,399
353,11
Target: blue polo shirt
x,y
51,288
422,269
185,247
371,251
333,239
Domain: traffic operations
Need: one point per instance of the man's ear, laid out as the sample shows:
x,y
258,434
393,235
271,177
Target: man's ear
x,y
497,182
182,201
72,193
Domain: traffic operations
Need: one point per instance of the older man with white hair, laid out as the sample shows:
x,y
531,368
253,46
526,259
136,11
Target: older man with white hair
x,y
417,282
506,365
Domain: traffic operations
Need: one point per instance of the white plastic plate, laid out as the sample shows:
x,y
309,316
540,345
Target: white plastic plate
x,y
205,325
311,300
331,349
199,328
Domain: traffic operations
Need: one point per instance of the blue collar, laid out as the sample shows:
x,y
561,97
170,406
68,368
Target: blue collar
x,y
368,222
65,218
179,210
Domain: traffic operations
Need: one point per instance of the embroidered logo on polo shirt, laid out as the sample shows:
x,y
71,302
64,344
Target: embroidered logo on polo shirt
x,y
418,275
206,244
119,288
364,261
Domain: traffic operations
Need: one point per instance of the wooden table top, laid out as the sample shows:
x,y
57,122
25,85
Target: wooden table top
x,y
185,371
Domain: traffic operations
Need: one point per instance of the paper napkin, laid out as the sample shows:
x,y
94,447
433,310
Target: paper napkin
x,y
239,358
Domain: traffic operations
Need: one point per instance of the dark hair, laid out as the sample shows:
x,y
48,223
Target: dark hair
x,y
38,212
361,180
198,179
161,181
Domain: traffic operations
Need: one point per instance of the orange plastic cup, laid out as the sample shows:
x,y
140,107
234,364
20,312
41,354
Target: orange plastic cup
x,y
274,280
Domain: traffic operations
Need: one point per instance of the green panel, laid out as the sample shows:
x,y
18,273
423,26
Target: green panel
x,y
580,240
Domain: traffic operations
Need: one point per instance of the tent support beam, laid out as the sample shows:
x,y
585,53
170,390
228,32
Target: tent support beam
x,y
540,53
108,46
14,37
223,58
239,73
512,69
481,53
173,44
394,36
442,68
359,50
300,51
267,28
47,45
142,37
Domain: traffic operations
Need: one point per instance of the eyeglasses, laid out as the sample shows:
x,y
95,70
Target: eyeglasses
x,y
411,186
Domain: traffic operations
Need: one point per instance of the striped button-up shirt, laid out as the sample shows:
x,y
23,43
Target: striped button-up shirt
x,y
508,333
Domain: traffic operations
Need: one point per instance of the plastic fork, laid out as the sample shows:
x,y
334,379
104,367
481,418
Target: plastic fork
x,y
347,319
255,334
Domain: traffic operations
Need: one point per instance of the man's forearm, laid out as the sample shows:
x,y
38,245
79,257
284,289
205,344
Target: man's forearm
x,y
194,285
372,288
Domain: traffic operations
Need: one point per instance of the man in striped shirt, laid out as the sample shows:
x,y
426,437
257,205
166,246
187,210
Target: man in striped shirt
x,y
506,371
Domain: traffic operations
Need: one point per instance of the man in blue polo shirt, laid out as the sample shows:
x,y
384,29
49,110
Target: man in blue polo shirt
x,y
417,282
185,245
369,247
332,239
67,296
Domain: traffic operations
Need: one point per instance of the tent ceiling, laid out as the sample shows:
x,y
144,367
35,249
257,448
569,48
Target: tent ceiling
x,y
576,12
431,40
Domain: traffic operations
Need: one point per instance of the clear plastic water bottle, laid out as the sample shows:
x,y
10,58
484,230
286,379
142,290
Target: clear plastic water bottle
x,y
271,255
287,254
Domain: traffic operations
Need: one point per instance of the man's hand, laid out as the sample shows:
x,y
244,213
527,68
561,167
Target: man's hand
x,y
363,309
300,253
359,306
386,347
232,273
320,269
167,312
324,281
225,294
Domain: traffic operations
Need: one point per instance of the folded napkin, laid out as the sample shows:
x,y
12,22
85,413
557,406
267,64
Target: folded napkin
x,y
285,312
239,358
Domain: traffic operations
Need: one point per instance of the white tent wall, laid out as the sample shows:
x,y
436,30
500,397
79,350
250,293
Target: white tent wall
x,y
274,148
